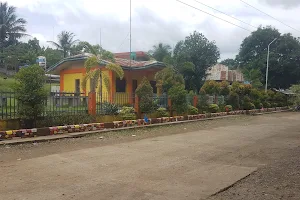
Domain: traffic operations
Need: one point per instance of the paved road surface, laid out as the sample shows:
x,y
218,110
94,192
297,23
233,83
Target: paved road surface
x,y
191,165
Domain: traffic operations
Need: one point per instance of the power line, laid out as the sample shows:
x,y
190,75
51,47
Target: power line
x,y
213,15
269,15
123,41
226,14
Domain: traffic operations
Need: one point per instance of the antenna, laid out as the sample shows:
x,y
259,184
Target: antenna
x,y
130,38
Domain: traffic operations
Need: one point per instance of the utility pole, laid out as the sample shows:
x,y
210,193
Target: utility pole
x,y
130,37
267,70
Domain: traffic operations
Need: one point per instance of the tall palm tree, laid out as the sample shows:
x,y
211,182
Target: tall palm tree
x,y
65,41
96,75
160,51
11,27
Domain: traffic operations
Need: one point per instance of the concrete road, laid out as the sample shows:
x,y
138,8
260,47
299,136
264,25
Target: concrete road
x,y
191,165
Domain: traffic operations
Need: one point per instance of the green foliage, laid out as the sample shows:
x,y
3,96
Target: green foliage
x,y
192,110
230,63
127,113
201,52
145,93
61,119
228,108
284,57
160,51
178,95
202,103
296,98
249,106
30,92
234,100
161,112
12,27
65,41
254,77
167,78
213,108
110,108
211,87
224,88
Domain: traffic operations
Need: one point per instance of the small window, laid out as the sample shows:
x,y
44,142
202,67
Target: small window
x,y
120,85
153,84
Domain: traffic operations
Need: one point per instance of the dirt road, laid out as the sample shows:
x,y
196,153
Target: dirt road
x,y
190,161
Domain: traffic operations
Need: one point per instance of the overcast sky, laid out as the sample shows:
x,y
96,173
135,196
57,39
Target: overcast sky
x,y
153,21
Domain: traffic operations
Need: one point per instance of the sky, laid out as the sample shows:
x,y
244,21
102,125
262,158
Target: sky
x,y
154,21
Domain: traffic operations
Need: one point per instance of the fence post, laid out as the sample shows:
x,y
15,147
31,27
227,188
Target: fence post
x,y
195,101
170,106
136,106
92,103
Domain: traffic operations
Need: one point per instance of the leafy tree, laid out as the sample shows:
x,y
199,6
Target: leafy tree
x,y
65,41
53,56
167,78
145,92
11,27
284,65
80,47
160,51
230,63
178,95
253,76
96,75
197,49
30,93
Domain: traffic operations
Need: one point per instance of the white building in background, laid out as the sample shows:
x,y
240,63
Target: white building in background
x,y
221,72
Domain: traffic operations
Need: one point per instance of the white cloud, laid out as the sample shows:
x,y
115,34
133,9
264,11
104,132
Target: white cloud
x,y
152,21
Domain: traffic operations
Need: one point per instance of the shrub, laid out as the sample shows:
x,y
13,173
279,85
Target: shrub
x,y
30,93
127,113
202,103
228,108
178,95
213,108
161,112
145,93
249,106
266,104
192,110
60,119
110,108
233,100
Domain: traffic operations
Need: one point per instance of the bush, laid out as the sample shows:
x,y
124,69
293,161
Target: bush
x,y
145,93
266,104
249,106
30,93
161,112
213,108
110,108
202,103
178,95
56,119
127,113
228,108
192,110
233,100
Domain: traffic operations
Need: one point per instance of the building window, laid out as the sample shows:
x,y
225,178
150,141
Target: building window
x,y
120,85
153,84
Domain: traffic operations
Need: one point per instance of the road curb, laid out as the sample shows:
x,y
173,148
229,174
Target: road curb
x,y
82,134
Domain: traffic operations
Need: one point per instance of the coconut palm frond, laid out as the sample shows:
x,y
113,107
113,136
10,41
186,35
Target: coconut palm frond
x,y
106,81
117,69
91,62
55,44
91,48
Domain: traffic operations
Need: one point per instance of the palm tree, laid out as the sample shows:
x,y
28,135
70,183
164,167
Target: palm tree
x,y
96,75
11,27
65,41
160,51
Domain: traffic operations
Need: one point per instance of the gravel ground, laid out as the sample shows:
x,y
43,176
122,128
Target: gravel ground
x,y
27,151
278,180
